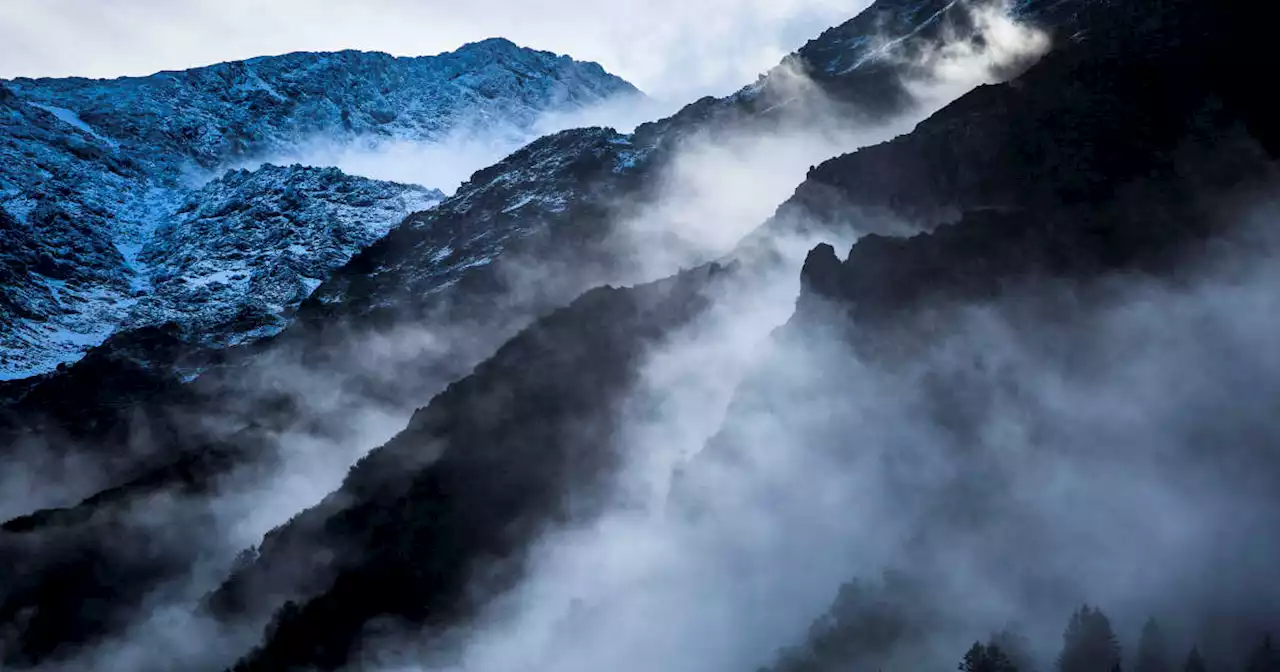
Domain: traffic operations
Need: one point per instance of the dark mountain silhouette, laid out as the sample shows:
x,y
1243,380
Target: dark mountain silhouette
x,y
1062,174
546,401
1116,156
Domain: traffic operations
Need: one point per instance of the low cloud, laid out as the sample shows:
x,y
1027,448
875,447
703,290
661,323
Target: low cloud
x,y
447,162
643,585
1015,467
648,585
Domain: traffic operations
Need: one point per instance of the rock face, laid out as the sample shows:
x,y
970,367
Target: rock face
x,y
99,175
243,251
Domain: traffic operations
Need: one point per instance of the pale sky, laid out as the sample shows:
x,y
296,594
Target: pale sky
x,y
672,49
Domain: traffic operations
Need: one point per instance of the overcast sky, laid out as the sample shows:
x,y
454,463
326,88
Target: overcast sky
x,y
672,49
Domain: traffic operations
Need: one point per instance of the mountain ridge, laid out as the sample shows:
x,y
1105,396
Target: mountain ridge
x,y
101,165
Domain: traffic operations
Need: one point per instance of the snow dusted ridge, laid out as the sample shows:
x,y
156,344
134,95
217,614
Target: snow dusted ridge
x,y
272,104
112,214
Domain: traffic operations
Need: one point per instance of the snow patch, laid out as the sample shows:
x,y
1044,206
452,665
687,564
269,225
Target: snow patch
x,y
71,118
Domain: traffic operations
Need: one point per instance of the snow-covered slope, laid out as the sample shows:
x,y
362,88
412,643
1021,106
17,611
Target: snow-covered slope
x,y
228,262
270,104
242,252
109,220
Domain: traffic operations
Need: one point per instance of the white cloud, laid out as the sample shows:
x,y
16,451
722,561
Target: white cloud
x,y
673,49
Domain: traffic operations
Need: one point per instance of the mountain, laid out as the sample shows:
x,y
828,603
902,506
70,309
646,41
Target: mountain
x,y
1094,166
516,242
97,172
276,103
562,203
567,200
1100,166
411,313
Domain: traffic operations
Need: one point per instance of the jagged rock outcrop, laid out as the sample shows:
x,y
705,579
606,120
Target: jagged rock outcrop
x,y
1075,169
1075,129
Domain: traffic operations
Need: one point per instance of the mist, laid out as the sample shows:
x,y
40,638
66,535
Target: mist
x,y
703,566
447,162
356,400
717,190
1016,467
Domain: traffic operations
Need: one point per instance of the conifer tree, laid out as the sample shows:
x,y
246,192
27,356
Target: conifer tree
x,y
1264,657
1015,646
1152,653
1089,644
1195,663
986,658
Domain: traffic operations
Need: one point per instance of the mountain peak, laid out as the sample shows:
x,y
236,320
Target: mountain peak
x,y
491,43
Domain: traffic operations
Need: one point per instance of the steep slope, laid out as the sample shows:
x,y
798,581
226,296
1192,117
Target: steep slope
x,y
530,425
549,203
989,252
93,169
1006,146
1022,378
871,67
1132,151
64,195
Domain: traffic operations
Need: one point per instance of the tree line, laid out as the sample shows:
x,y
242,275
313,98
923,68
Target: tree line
x,y
1090,645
